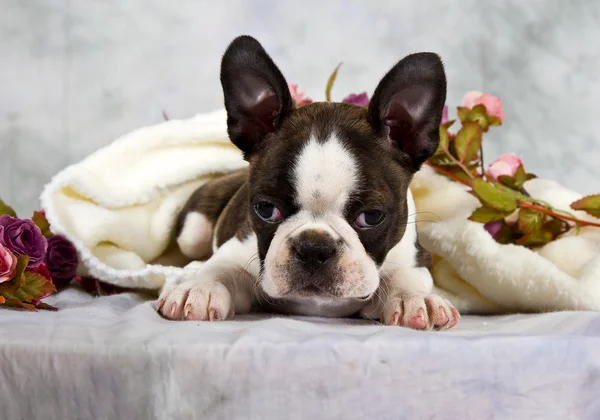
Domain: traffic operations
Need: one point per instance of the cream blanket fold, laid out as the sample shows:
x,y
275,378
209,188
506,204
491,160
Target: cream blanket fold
x,y
118,206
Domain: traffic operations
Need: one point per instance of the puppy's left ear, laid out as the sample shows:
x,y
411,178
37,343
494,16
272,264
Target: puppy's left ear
x,y
257,97
406,108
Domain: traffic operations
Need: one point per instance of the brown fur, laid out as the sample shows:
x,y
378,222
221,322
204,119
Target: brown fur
x,y
211,198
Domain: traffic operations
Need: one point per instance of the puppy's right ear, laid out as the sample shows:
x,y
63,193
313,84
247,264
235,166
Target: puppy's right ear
x,y
257,97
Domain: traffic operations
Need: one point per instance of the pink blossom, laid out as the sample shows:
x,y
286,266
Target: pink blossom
x,y
492,103
298,95
8,264
445,114
362,99
505,165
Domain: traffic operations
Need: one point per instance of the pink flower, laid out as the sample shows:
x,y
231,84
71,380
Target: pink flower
x,y
492,103
445,114
8,264
505,165
298,95
362,99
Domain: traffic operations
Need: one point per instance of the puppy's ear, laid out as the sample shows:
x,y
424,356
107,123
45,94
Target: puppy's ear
x,y
406,108
257,97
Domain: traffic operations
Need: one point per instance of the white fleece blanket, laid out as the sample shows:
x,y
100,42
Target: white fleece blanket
x,y
118,206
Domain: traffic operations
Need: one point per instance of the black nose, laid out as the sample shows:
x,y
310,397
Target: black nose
x,y
313,249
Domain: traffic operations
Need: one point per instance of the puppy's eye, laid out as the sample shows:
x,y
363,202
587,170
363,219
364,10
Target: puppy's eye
x,y
268,212
369,219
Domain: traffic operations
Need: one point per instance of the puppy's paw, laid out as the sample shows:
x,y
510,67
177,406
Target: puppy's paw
x,y
421,313
205,300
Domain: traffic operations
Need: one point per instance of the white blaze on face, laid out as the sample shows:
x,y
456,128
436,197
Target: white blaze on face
x,y
325,176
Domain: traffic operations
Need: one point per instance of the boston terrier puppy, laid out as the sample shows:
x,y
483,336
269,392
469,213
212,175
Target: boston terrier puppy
x,y
322,222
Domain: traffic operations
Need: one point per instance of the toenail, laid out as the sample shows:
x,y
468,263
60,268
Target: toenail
x,y
212,314
444,314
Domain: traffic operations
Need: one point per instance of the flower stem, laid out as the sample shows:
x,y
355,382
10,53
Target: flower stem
x,y
526,205
459,164
481,159
448,173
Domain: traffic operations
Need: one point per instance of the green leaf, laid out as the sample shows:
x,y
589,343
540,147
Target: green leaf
x,y
517,195
330,83
555,227
462,113
589,204
444,140
493,120
28,306
509,181
40,221
33,288
467,142
530,221
6,209
534,239
448,124
479,115
493,197
13,303
505,235
47,307
22,261
520,177
460,174
487,214
530,176
443,160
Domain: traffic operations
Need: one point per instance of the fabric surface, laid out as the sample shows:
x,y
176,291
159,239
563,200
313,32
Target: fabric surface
x,y
119,205
115,358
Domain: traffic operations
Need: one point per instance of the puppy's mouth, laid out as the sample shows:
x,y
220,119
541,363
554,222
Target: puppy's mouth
x,y
316,291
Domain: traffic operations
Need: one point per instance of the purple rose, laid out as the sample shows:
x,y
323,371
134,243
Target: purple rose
x,y
362,99
23,237
61,260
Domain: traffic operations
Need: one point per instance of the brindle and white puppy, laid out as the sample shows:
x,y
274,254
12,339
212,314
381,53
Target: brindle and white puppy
x,y
322,222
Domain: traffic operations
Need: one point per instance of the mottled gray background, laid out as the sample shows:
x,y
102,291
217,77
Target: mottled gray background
x,y
74,74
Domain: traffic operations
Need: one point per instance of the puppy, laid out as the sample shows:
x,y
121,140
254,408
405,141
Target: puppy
x,y
322,222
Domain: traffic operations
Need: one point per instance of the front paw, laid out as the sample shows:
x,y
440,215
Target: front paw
x,y
205,300
421,313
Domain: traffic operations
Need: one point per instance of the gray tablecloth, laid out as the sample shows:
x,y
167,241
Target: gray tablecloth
x,y
115,358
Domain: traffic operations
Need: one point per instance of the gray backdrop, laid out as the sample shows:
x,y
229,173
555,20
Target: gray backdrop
x,y
74,74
